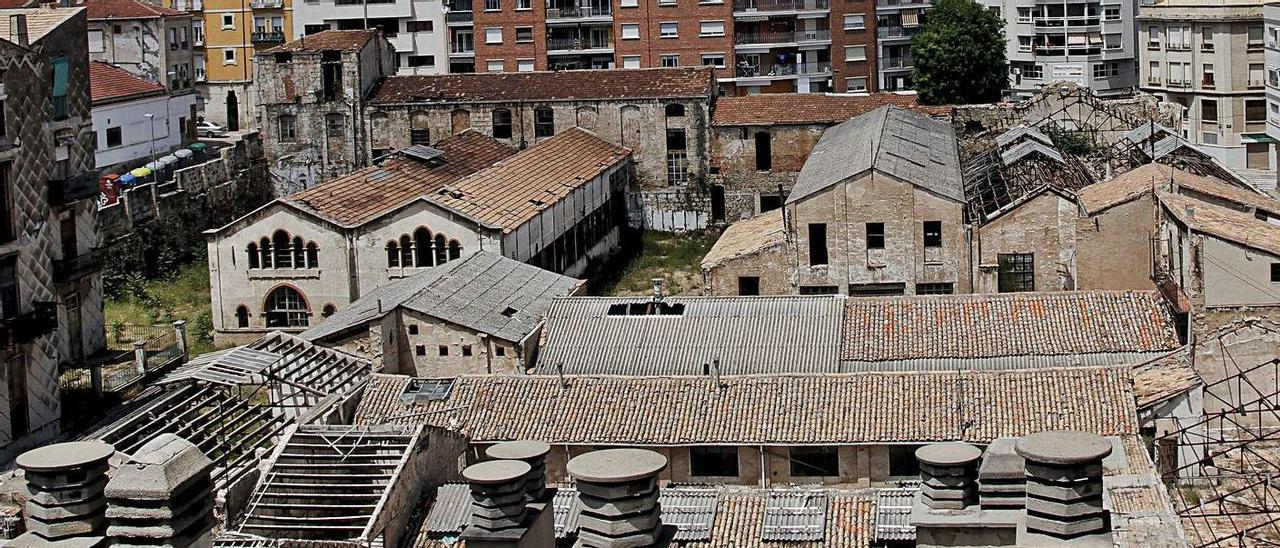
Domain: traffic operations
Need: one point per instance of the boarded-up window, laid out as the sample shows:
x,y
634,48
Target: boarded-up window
x,y
459,120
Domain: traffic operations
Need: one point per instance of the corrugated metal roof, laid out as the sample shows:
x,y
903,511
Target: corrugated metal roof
x,y
795,515
747,335
893,514
450,511
1013,135
901,143
231,366
1021,150
567,509
690,510
483,291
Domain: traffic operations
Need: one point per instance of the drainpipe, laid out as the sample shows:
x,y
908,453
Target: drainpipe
x,y
764,470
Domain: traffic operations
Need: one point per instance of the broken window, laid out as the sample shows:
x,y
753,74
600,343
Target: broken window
x,y
713,461
815,461
418,132
420,350
466,350
1275,272
748,285
933,233
875,235
646,308
331,75
764,151
413,329
544,122
819,290
1017,272
817,243
286,126
242,316
286,308
500,351
444,350
877,289
501,123
674,109
902,461
935,289
8,211
770,202
393,254
335,125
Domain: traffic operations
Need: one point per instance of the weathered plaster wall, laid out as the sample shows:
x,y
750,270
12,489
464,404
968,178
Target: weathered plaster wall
x,y
1044,226
1113,248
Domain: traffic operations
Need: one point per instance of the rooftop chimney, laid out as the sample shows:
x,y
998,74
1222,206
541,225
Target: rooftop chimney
x,y
18,29
65,481
1064,485
1002,477
533,453
163,496
657,289
501,514
947,475
618,492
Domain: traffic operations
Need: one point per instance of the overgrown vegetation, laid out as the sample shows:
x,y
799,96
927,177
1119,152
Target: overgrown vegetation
x,y
184,295
674,257
1071,143
959,55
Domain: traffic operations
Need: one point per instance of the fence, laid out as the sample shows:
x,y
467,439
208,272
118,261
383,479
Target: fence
x,y
135,352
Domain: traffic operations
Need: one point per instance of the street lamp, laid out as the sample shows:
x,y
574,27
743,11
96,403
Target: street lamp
x,y
151,121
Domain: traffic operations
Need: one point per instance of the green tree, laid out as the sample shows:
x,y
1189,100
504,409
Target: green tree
x,y
959,54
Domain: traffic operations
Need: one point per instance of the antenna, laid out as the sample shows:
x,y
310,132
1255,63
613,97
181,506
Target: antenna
x,y
715,371
560,372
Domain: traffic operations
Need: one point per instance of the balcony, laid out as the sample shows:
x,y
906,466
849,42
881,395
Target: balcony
x,y
266,4
779,6
73,189
74,268
1074,22
781,71
781,38
267,37
896,32
902,3
577,45
458,18
27,327
898,62
576,14
1256,84
462,49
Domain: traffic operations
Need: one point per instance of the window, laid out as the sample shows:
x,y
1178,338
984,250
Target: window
x,y
115,136
629,3
875,235
493,65
669,60
492,5
524,35
1153,37
1255,111
524,5
677,165
493,35
1024,15
902,461
420,350
711,28
935,289
443,350
748,285
1275,272
1112,41
667,30
59,88
334,126
413,329
228,56
855,53
1111,13
713,60
228,21
1208,79
630,31
1209,111
286,308
713,461
328,310
631,61
1255,36
499,351
1100,70
815,461
422,60
466,350
524,65
674,109
855,22
1017,272
544,122
1033,72
933,233
242,316
817,243
285,128
419,26
764,151
96,44
501,123
9,286
676,139
819,290
1024,43
857,83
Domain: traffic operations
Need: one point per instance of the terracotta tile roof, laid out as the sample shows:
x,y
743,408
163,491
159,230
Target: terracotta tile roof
x,y
768,109
747,237
739,520
127,9
516,189
40,21
1223,223
1139,181
370,192
11,4
341,40
685,82
109,83
859,408
1164,378
1008,324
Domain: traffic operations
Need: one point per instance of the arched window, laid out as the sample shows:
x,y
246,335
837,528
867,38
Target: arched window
x,y
329,309
455,250
280,245
422,247
675,109
313,255
286,308
242,316
501,123
393,254
442,253
252,251
419,134
459,120
406,251
299,253
265,248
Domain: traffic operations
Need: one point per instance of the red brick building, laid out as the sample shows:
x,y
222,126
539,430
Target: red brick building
x,y
771,46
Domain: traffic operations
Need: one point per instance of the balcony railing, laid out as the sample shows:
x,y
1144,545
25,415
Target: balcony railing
x,y
73,189
464,48
29,326
780,5
781,37
458,17
782,70
902,61
1256,83
266,4
901,3
575,12
267,36
575,44
73,268
1073,21
897,32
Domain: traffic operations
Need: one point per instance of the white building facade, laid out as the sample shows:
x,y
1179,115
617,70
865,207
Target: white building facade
x,y
415,28
132,128
1090,43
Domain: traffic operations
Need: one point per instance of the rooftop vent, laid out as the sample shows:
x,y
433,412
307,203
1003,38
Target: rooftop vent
x,y
428,155
426,390
647,308
508,312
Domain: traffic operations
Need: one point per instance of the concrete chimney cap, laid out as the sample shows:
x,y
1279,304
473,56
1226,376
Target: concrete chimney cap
x,y
616,465
948,454
63,456
496,472
518,450
1063,447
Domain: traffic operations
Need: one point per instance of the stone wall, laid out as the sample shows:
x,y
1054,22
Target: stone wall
x,y
733,157
1045,227
1113,247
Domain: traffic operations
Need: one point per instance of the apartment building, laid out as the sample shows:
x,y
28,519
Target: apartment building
x,y
225,34
1271,57
1087,42
1208,56
897,22
151,42
415,28
755,45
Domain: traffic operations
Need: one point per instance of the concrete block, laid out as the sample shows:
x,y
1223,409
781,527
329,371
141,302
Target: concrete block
x,y
615,526
1064,492
642,487
592,539
1065,528
945,482
62,529
618,507
1069,510
67,496
1001,462
67,479
69,511
31,540
1060,474
940,494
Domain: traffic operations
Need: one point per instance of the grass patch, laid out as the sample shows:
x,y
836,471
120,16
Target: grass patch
x,y
673,256
182,296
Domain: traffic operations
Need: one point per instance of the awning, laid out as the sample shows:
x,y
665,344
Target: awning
x,y
910,18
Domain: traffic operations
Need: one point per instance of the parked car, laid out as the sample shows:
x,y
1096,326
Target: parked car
x,y
205,128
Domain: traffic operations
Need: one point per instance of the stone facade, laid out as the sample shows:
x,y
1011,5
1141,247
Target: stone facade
x,y
412,343
1107,236
750,184
1044,227
50,282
